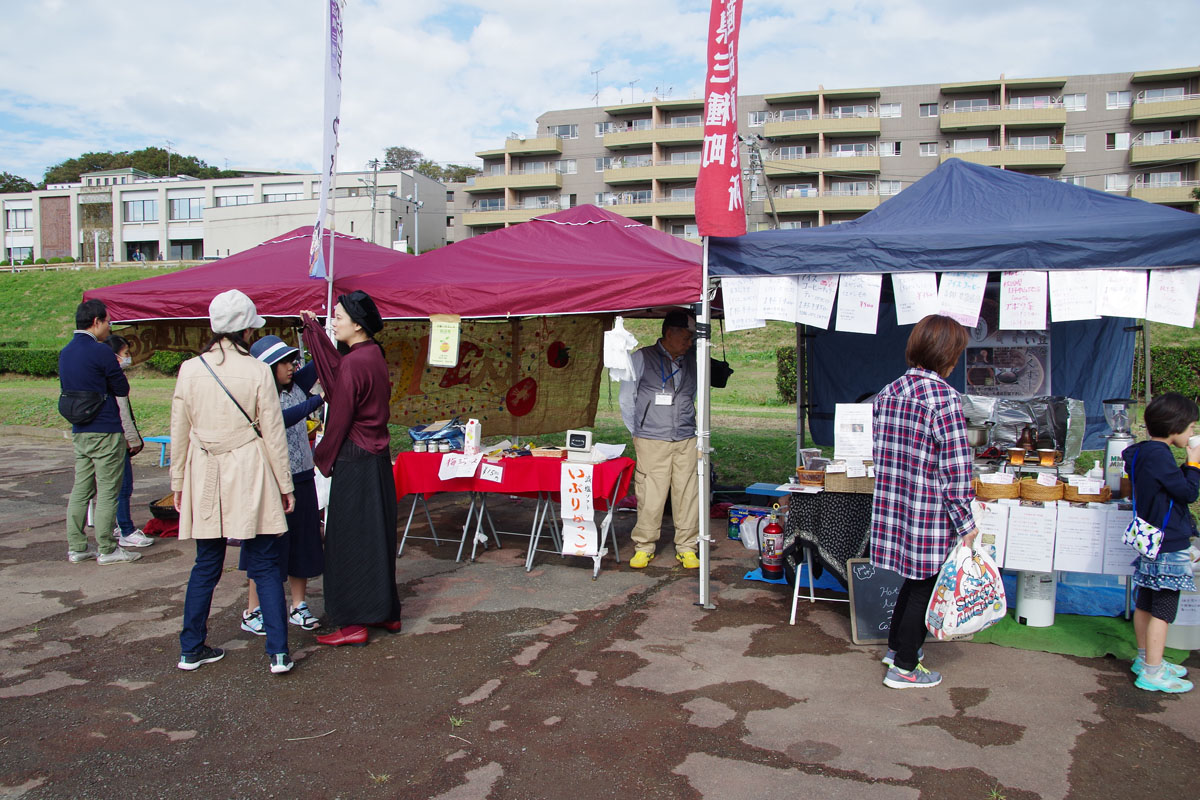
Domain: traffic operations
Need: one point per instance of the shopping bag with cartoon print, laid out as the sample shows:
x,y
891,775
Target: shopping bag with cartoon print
x,y
968,596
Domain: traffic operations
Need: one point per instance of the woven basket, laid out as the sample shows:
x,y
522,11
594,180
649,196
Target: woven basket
x,y
810,477
1072,493
1032,490
164,509
996,491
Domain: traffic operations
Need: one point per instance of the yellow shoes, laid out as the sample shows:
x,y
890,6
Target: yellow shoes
x,y
688,559
640,559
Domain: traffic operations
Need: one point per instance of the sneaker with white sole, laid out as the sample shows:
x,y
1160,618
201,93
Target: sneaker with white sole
x,y
118,556
918,678
281,663
80,556
889,657
205,655
252,622
300,615
1163,681
135,539
1177,670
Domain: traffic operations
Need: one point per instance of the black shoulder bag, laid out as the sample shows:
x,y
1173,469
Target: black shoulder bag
x,y
253,423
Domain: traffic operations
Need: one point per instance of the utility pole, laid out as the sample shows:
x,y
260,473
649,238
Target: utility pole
x,y
170,144
373,186
756,163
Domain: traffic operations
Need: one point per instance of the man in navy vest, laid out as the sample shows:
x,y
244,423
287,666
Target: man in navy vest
x,y
86,364
658,407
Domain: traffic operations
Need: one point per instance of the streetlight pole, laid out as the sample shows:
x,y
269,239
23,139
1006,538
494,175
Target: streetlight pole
x,y
373,187
415,199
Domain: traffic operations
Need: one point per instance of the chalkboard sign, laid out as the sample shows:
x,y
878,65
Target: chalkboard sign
x,y
873,593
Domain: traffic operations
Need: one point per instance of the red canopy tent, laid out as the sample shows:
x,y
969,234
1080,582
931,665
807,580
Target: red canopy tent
x,y
578,261
274,274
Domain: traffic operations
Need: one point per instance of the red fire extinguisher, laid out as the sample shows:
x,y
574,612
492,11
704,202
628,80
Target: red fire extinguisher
x,y
770,547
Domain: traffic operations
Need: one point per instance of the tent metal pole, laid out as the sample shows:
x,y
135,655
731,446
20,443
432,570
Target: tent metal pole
x,y
703,419
801,394
1146,355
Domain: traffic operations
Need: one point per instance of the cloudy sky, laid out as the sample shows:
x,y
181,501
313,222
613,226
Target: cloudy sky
x,y
239,82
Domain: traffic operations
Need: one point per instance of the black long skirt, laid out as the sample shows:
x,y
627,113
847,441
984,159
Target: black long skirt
x,y
360,540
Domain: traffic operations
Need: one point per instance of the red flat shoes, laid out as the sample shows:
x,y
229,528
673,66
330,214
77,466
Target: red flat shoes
x,y
354,635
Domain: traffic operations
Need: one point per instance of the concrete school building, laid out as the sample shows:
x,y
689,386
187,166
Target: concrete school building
x,y
831,155
127,215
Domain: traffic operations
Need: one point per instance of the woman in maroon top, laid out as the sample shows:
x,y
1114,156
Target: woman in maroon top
x,y
360,529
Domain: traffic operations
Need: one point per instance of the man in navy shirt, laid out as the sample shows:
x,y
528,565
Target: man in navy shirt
x,y
87,364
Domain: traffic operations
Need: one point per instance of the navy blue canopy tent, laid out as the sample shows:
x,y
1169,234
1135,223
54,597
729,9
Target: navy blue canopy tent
x,y
963,217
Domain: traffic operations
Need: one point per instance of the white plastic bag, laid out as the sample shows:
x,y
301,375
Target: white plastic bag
x,y
968,597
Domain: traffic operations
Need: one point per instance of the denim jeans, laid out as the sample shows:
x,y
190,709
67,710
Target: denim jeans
x,y
262,554
124,518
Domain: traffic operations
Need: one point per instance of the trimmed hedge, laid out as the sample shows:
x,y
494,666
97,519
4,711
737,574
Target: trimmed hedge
x,y
167,361
785,373
1173,369
39,363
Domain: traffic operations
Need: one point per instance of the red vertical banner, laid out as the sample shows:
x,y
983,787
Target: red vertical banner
x,y
719,207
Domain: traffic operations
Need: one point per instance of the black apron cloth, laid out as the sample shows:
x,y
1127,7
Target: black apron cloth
x,y
360,540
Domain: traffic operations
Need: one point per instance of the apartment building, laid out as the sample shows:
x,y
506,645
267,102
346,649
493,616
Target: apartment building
x,y
824,156
128,215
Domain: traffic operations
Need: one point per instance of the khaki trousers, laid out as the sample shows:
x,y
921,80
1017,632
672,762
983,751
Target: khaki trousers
x,y
99,468
664,467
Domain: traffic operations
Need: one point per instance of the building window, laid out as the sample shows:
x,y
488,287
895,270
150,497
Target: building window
x,y
1029,142
564,131
796,224
281,198
1075,102
531,168
1116,183
685,157
797,190
565,166
538,201
637,196
16,254
889,187
685,194
639,124
971,104
846,149
687,230
843,188
604,163
1074,180
856,110
1075,142
793,152
187,208
1114,100
605,199
794,114
605,127
1159,137
1117,141
1161,179
977,144
756,119
888,149
929,110
234,200
686,121
1159,95
889,110
1036,101
929,148
489,204
141,210
19,219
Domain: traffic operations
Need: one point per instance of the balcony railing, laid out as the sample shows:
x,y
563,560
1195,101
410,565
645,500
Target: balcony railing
x,y
483,208
777,116
1141,183
949,107
1018,106
778,154
1035,147
1140,141
1142,98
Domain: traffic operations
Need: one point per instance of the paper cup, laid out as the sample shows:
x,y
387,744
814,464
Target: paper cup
x,y
1194,441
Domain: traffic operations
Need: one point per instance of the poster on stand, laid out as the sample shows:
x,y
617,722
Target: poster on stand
x,y
992,521
1118,556
1031,538
852,434
1002,363
1079,539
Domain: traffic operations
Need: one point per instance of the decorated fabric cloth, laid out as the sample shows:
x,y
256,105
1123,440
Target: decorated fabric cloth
x,y
518,377
836,525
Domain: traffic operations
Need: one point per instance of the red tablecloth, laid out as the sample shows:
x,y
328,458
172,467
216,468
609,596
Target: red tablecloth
x,y
417,473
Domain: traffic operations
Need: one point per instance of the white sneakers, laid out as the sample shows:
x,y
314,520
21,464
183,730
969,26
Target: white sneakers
x,y
135,539
118,556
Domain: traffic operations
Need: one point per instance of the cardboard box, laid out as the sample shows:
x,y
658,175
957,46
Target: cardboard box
x,y
743,522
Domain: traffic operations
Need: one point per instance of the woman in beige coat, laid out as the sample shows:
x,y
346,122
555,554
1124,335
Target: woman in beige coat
x,y
230,475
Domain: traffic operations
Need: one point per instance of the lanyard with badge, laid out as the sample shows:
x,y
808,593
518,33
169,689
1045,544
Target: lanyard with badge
x,y
664,397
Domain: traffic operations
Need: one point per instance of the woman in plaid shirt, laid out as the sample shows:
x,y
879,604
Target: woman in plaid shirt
x,y
923,492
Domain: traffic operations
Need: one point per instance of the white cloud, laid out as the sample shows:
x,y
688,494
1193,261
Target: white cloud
x,y
241,81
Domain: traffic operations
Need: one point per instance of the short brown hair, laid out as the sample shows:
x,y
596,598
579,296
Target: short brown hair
x,y
935,344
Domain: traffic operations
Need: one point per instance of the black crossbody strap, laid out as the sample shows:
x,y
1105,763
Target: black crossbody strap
x,y
253,424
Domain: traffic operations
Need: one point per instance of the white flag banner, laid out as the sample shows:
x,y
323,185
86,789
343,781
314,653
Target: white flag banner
x,y
916,296
578,513
1173,296
814,299
1023,301
741,304
960,295
1073,294
858,303
1122,293
329,142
